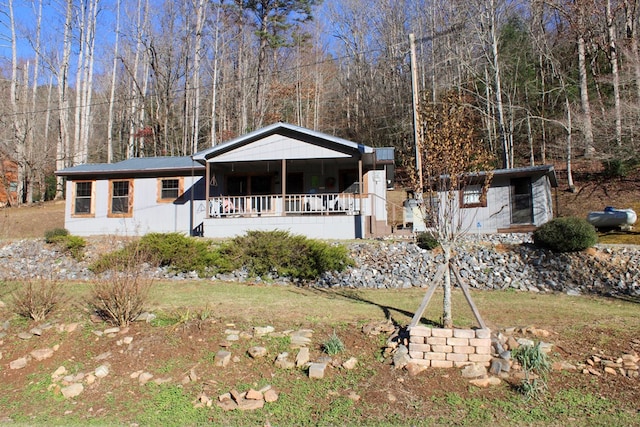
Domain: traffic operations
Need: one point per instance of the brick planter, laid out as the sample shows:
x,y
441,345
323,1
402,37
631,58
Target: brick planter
x,y
448,348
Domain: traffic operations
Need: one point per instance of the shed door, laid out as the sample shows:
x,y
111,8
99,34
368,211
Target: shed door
x,y
521,201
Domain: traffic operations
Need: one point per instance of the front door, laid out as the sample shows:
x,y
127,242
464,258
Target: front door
x,y
521,201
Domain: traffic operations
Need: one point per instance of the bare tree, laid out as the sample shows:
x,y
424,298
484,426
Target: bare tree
x,y
453,161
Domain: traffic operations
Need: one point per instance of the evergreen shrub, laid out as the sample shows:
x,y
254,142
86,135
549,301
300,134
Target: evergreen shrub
x,y
426,240
279,253
566,234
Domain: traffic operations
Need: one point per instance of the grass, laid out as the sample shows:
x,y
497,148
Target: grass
x,y
327,402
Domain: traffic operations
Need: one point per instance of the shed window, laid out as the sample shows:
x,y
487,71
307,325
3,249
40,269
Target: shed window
x,y
83,198
474,196
120,197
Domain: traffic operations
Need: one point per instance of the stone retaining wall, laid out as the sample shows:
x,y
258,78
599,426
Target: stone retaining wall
x,y
448,348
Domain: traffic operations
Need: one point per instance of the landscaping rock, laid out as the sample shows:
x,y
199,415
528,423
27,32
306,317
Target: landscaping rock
x,y
257,352
42,354
260,331
72,390
270,396
144,378
18,363
101,371
283,362
302,358
475,370
222,358
350,363
316,370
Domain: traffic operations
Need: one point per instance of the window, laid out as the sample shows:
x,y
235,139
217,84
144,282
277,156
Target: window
x,y
473,196
83,198
120,197
170,189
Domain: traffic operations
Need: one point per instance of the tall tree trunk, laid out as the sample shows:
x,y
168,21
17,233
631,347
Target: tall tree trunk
x,y
497,83
587,125
630,11
64,142
18,128
112,94
613,59
200,18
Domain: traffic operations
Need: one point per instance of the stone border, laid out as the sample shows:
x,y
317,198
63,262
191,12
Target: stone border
x,y
448,348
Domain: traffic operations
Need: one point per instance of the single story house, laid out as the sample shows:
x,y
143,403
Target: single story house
x,y
279,177
516,200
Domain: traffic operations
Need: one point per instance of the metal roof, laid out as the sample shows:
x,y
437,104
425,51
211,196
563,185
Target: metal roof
x,y
135,165
285,128
524,171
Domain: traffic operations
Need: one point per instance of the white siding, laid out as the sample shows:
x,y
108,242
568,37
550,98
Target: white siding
x,y
148,215
277,147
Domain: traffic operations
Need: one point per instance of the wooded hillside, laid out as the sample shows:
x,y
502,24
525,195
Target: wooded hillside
x,y
105,80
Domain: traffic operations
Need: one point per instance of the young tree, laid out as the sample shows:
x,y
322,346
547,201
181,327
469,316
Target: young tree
x,y
454,160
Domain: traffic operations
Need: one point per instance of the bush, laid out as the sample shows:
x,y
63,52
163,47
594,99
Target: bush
x,y
427,241
618,168
122,296
53,235
73,244
567,234
265,253
38,298
180,252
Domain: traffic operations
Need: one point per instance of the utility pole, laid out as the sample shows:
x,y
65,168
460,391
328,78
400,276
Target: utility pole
x,y
416,119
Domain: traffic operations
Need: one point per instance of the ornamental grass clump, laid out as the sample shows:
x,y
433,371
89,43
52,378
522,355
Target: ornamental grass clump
x,y
535,365
566,234
333,345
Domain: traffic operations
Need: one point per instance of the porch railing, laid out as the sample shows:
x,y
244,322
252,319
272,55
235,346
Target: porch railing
x,y
291,204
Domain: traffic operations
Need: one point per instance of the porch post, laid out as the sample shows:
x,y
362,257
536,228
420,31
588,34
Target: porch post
x,y
206,189
283,181
360,177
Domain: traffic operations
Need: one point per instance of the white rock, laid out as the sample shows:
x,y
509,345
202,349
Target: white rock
x,y
72,390
101,371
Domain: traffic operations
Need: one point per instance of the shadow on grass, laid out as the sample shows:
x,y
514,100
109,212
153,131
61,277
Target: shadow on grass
x,y
387,310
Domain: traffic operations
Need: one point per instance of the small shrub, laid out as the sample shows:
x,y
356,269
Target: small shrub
x,y
36,299
180,252
51,236
533,361
73,244
567,234
427,241
122,296
618,168
333,345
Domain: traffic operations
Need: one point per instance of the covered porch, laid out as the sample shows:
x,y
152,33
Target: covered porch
x,y
291,178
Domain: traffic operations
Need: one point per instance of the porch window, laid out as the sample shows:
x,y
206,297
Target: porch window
x,y
83,201
120,198
473,196
169,189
